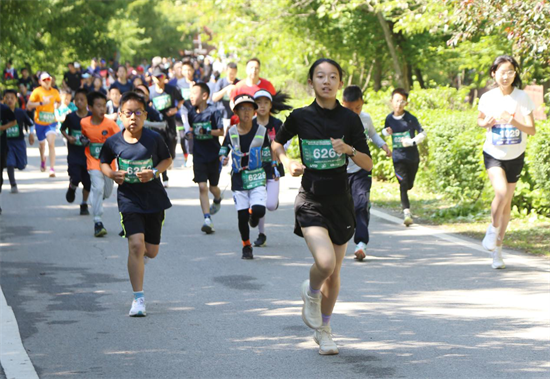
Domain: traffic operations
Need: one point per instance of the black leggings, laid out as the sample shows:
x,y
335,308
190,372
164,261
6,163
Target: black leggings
x,y
406,173
258,211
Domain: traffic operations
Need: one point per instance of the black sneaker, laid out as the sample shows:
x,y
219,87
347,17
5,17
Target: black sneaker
x,y
70,194
84,210
99,229
260,241
247,252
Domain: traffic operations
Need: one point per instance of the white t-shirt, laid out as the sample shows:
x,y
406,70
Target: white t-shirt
x,y
371,132
503,141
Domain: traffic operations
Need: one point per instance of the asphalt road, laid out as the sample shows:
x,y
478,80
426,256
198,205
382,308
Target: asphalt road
x,y
419,306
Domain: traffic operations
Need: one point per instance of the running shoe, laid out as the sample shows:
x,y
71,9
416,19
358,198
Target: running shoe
x,y
14,189
214,208
323,338
52,173
146,259
43,165
407,220
84,210
253,221
247,252
99,229
165,183
261,240
70,195
138,308
497,259
490,240
311,310
208,226
360,251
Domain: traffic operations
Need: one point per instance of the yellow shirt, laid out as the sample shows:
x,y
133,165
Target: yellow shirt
x,y
45,114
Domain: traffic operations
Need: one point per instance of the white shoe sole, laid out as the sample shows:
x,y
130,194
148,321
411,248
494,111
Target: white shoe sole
x,y
333,351
408,221
484,244
304,297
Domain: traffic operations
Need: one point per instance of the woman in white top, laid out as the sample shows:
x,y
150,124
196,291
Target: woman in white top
x,y
506,112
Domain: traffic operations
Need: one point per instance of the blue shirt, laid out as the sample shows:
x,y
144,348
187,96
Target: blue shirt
x,y
205,149
408,126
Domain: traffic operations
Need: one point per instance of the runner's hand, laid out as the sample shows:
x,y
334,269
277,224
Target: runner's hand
x,y
490,122
118,176
31,139
172,111
389,131
340,147
387,150
407,142
296,168
224,160
145,176
71,140
506,117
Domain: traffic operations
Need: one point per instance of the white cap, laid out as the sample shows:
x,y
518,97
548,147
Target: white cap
x,y
262,93
45,75
76,65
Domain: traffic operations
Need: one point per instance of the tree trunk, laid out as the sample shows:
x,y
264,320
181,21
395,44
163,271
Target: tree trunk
x,y
388,35
368,75
419,77
377,77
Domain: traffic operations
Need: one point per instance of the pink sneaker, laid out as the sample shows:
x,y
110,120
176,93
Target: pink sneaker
x,y
43,166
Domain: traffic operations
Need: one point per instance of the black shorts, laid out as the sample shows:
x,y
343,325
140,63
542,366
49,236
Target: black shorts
x,y
207,171
512,168
334,213
79,174
405,172
149,224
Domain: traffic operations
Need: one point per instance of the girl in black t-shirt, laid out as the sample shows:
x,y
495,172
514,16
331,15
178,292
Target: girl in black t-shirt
x,y
324,211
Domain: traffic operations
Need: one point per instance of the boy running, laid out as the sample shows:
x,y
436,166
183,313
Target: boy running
x,y
207,126
76,156
17,148
360,181
402,127
97,128
43,99
141,156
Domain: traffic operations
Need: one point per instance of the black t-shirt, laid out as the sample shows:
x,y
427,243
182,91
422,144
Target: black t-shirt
x,y
315,125
28,83
245,141
221,84
72,80
151,149
23,123
6,116
162,102
408,126
205,149
123,87
75,152
272,128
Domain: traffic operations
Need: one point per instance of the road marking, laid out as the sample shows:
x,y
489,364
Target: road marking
x,y
13,356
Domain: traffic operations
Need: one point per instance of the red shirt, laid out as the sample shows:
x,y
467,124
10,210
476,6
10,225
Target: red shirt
x,y
241,87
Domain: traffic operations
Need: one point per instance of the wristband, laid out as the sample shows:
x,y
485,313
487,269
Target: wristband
x,y
40,103
156,173
353,152
32,131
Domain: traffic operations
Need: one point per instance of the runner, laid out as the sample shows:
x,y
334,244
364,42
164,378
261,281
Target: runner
x,y
112,105
122,82
360,181
43,99
76,156
66,107
7,121
324,208
268,105
207,126
141,155
17,148
253,83
97,128
223,90
247,141
402,127
167,100
506,112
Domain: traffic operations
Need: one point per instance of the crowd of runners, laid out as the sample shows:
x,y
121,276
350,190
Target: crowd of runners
x,y
126,129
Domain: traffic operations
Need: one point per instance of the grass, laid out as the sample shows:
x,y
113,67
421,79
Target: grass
x,y
528,234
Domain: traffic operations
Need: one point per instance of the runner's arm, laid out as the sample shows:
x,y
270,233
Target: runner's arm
x,y
8,125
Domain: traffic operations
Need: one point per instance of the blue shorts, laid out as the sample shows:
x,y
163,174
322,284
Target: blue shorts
x,y
43,130
17,154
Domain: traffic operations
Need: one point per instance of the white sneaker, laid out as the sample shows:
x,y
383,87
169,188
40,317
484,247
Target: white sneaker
x,y
407,219
490,240
497,259
360,251
311,310
165,183
323,338
146,259
138,308
208,226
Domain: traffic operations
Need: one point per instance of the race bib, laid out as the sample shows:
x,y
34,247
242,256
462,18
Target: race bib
x,y
266,154
185,93
202,130
133,167
162,102
253,178
77,134
505,134
46,117
95,149
13,132
319,155
397,139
